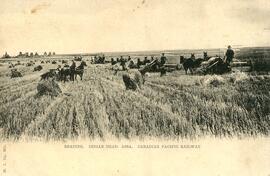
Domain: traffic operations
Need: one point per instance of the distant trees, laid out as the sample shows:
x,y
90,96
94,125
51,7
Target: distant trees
x,y
28,54
20,54
6,55
49,54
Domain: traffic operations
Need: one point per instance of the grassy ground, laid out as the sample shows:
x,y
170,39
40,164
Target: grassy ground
x,y
174,106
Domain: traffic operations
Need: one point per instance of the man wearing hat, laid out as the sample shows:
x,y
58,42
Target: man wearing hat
x,y
72,70
163,60
123,63
229,55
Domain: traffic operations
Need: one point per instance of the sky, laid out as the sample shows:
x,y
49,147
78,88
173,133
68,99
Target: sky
x,y
87,26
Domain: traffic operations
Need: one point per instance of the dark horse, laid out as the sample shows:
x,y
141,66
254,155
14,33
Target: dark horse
x,y
190,63
50,74
63,73
80,69
66,71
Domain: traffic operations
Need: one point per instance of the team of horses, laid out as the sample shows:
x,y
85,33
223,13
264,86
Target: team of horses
x,y
65,73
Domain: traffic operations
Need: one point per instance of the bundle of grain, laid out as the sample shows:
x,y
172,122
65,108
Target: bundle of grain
x,y
48,87
15,73
29,64
214,80
238,77
38,68
137,76
130,83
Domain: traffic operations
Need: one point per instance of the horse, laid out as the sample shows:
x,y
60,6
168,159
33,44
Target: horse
x,y
67,71
63,73
190,63
80,70
49,74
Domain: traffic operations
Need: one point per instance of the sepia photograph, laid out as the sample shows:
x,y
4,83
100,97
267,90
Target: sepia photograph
x,y
133,82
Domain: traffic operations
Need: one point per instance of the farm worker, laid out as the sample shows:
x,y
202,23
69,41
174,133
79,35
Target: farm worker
x,y
131,64
139,62
59,68
72,70
73,65
229,55
205,56
123,63
103,59
145,60
112,61
163,60
192,56
95,59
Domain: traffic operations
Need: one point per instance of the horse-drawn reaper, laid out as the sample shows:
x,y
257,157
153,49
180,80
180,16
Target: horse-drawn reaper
x,y
211,65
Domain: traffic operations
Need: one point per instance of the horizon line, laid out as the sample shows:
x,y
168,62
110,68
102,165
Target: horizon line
x,y
164,50
155,50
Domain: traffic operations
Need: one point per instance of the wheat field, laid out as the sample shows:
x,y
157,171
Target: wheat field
x,y
174,106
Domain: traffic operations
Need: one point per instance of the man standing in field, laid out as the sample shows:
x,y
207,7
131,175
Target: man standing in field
x,y
229,55
139,62
72,70
123,63
163,60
